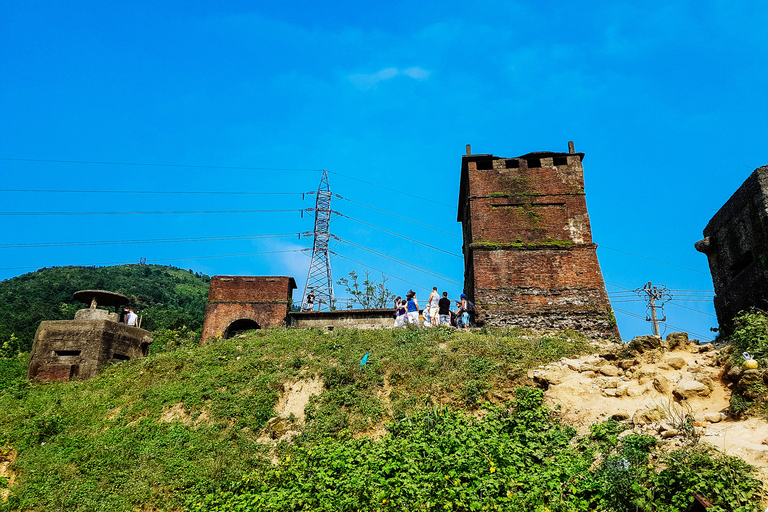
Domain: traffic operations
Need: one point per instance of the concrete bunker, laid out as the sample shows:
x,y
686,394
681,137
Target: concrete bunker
x,y
77,349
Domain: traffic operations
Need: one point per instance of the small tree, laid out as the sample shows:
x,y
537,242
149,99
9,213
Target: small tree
x,y
369,294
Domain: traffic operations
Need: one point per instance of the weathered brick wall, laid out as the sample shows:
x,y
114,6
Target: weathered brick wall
x,y
262,299
736,244
528,251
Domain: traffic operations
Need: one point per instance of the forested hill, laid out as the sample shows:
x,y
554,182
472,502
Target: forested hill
x,y
166,297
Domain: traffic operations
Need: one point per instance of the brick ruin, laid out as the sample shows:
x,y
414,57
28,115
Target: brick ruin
x,y
529,259
736,244
240,303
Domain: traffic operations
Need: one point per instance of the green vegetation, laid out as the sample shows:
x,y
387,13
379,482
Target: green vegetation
x,y
166,297
368,294
548,242
750,335
185,428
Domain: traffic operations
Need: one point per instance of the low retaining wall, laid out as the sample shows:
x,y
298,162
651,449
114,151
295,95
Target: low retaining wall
x,y
343,319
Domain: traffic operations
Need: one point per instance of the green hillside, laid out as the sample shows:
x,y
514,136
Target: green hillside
x,y
166,297
435,420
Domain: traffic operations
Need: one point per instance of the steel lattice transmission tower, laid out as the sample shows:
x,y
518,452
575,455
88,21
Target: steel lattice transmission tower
x,y
319,278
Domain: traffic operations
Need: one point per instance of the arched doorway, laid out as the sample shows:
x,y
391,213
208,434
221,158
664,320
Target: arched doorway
x,y
239,326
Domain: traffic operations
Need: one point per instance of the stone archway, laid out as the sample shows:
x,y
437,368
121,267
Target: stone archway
x,y
239,326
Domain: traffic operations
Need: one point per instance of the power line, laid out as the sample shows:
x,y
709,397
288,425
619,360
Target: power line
x,y
139,164
379,270
148,241
392,189
157,212
205,192
400,261
657,261
401,236
160,259
628,313
398,216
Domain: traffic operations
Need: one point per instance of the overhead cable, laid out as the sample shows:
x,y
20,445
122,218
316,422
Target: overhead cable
x,y
159,259
139,164
400,261
205,192
398,216
392,189
147,241
653,259
156,212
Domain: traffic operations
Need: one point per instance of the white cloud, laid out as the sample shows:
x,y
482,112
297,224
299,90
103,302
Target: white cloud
x,y
366,81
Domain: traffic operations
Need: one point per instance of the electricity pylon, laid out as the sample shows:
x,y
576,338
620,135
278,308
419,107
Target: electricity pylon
x,y
319,278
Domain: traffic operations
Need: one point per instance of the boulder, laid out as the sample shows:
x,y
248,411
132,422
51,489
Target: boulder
x,y
675,362
609,370
677,340
627,363
750,384
648,414
704,379
620,416
691,389
662,384
713,417
645,343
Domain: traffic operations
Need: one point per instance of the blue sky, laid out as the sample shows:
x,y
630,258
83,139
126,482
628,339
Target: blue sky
x,y
667,100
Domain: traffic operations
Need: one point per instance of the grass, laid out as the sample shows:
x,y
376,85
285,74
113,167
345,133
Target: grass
x,y
185,423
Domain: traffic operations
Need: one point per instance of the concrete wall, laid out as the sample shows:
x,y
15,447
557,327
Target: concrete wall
x,y
736,244
77,349
264,300
343,319
528,252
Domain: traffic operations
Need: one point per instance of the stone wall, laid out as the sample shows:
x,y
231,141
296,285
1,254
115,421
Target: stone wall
x,y
77,349
736,244
528,251
240,302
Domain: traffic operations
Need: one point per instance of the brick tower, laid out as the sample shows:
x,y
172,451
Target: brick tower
x,y
529,260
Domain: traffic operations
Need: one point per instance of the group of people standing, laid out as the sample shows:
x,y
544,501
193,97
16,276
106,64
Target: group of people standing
x,y
437,311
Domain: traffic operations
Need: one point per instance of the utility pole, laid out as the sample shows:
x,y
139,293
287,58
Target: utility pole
x,y
656,296
319,278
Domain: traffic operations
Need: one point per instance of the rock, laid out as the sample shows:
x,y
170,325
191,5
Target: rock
x,y
635,390
551,378
750,383
589,374
572,364
704,379
691,389
705,348
644,343
648,414
664,366
608,382
713,417
675,362
586,367
627,363
733,373
609,370
620,416
610,353
677,339
670,433
622,390
662,384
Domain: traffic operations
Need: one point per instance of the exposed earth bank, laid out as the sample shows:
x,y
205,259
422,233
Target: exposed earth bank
x,y
657,386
